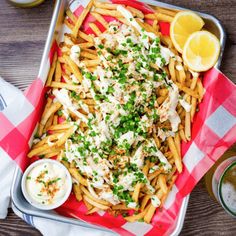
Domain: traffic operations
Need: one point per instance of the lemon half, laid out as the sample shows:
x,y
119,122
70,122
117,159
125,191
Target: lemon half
x,y
183,25
201,51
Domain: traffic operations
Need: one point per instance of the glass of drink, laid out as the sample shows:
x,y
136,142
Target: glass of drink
x,y
26,3
224,185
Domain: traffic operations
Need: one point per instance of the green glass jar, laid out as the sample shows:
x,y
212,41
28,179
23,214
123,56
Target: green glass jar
x,y
26,3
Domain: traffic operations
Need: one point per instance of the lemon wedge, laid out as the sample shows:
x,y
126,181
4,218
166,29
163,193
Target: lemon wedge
x,y
201,51
183,25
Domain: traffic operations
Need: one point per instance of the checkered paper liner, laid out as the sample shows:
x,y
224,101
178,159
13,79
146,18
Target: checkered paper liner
x,y
213,132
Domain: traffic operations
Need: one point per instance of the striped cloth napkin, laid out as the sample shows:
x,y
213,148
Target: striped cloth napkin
x,y
9,94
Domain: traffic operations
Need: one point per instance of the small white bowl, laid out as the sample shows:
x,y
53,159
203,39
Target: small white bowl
x,y
40,205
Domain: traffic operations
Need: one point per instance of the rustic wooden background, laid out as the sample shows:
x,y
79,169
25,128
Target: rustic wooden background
x,y
22,38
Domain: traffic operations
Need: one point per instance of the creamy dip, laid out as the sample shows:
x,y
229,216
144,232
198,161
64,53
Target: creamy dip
x,y
47,183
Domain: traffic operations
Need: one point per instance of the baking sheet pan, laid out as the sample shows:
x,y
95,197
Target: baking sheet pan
x,y
211,24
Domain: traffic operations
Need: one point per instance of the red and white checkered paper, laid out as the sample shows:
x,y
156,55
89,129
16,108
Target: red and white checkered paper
x,y
213,132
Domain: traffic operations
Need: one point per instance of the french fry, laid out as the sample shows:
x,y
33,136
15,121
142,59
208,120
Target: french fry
x,y
138,186
58,72
162,183
85,36
135,12
182,75
68,40
48,123
100,201
163,92
67,70
49,111
46,139
144,202
139,216
193,108
123,20
135,194
51,154
187,90
96,204
75,174
154,174
155,25
95,29
106,12
68,24
52,148
147,27
77,192
166,11
91,63
105,5
177,143
86,45
164,17
91,51
71,16
149,214
61,60
120,207
155,66
81,19
74,68
188,124
89,102
71,87
93,210
200,90
161,99
88,55
150,16
146,167
92,69
60,126
151,210
166,41
182,135
194,83
36,151
68,80
157,141
52,70
100,19
67,134
87,204
176,156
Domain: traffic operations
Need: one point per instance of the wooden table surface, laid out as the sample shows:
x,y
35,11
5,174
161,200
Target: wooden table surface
x,y
22,38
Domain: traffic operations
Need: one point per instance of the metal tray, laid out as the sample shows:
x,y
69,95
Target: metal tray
x,y
211,24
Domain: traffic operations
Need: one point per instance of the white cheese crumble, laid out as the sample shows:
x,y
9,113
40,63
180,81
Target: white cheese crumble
x,y
155,201
75,53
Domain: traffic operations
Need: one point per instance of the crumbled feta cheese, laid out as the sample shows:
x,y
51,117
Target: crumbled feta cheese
x,y
185,105
75,53
155,201
132,205
109,196
138,157
127,137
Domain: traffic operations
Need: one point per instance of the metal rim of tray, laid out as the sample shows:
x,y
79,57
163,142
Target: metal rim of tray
x,y
18,174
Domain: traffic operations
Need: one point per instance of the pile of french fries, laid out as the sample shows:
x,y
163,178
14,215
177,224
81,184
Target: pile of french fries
x,y
52,134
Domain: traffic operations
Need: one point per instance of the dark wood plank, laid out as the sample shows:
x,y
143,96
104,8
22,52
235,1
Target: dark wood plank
x,y
23,33
15,226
